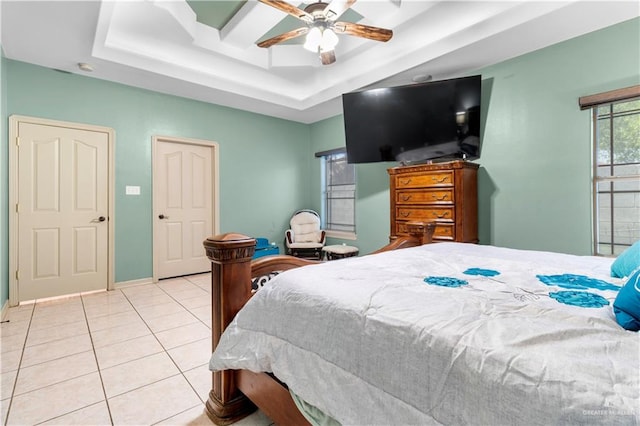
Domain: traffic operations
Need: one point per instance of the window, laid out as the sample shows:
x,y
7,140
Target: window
x,y
616,177
338,194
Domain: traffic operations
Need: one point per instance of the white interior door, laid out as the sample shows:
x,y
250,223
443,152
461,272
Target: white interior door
x,y
184,179
63,210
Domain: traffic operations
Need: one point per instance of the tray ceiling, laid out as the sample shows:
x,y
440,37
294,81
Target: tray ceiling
x,y
206,50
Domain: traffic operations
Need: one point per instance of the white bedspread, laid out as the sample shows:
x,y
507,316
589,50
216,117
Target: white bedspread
x,y
368,341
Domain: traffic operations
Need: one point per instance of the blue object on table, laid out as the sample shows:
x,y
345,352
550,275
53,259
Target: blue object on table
x,y
264,248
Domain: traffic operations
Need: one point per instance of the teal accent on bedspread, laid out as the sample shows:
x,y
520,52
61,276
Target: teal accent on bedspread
x,y
576,282
482,272
445,281
573,297
583,299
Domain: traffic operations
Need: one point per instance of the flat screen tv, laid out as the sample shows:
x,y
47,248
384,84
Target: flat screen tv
x,y
413,124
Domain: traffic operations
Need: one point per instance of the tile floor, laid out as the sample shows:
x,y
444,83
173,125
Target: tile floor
x,y
133,356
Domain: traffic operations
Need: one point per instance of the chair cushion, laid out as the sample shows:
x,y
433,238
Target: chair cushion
x,y
305,245
306,228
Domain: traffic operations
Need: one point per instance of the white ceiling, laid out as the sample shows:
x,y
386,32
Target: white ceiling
x,y
159,45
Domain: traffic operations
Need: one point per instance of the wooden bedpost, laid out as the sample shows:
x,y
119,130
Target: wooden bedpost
x,y
230,256
422,230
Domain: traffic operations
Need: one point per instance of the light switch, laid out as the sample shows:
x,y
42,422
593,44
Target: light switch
x,y
132,190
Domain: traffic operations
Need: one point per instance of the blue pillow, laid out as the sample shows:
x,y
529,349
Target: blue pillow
x,y
627,262
627,303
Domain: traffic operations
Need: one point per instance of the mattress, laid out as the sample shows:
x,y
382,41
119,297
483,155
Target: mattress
x,y
445,333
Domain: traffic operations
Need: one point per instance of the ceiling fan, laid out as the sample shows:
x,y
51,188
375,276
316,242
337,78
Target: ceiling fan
x,y
321,27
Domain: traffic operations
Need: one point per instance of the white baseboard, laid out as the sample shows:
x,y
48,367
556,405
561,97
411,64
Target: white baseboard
x,y
132,283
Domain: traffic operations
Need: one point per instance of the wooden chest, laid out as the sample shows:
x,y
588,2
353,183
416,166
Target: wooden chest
x,y
444,192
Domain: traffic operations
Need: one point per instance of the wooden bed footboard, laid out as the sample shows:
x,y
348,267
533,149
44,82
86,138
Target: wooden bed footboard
x,y
234,278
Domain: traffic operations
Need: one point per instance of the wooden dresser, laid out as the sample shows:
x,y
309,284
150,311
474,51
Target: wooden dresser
x,y
444,192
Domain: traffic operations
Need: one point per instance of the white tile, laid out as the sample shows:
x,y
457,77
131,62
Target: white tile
x,y
122,352
158,299
136,374
190,293
194,416
7,380
58,308
103,322
200,279
13,343
192,354
197,302
49,321
10,361
44,335
94,415
153,311
56,400
142,291
174,284
57,304
21,313
153,403
55,371
56,349
169,321
201,378
4,409
103,298
115,307
123,333
203,313
12,328
182,335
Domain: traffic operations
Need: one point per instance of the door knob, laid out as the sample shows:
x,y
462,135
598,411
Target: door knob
x,y
102,219
163,217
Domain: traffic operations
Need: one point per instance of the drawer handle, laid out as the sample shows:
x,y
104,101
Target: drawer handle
x,y
442,215
405,214
442,180
406,197
435,197
405,182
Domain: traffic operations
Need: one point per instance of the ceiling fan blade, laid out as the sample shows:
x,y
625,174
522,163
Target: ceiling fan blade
x,y
328,57
290,9
359,30
283,37
337,8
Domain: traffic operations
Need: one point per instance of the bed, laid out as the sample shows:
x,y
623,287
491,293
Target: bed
x,y
445,333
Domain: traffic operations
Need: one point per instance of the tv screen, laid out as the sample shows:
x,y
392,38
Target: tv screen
x,y
438,120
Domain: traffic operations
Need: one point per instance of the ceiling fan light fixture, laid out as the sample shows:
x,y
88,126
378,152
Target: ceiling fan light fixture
x,y
314,38
321,39
329,40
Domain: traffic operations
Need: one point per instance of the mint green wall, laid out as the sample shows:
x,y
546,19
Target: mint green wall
x,y
535,185
261,177
535,176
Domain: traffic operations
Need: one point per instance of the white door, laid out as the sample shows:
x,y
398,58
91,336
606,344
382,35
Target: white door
x,y
63,208
183,185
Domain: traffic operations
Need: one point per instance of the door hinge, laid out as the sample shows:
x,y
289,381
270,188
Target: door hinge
x,y
18,275
17,140
17,207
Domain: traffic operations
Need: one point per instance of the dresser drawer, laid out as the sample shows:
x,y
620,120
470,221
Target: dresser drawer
x,y
429,179
429,196
424,213
443,231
